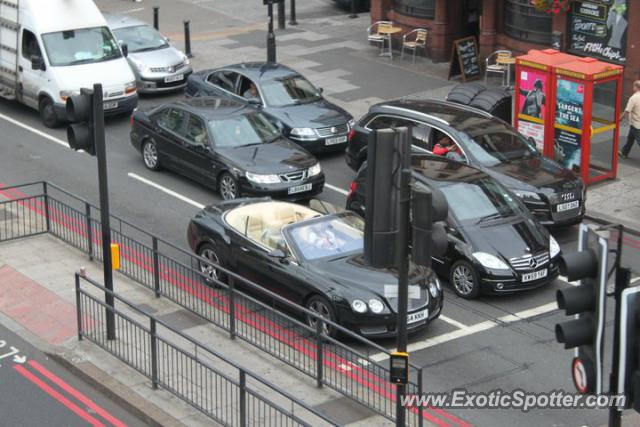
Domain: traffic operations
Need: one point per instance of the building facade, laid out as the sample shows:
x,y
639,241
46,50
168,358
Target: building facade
x,y
597,28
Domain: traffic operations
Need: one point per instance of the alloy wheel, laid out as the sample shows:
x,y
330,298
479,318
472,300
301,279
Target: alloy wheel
x,y
321,309
150,155
228,188
210,272
463,280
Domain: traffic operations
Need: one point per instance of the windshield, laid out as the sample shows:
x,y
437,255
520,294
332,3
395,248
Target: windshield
x,y
289,91
82,46
494,143
328,236
239,131
141,38
480,200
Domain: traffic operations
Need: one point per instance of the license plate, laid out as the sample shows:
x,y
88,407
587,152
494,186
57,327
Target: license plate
x,y
534,276
175,78
110,105
299,188
417,316
568,206
337,140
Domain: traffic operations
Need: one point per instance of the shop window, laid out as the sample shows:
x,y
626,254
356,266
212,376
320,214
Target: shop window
x,y
523,22
417,8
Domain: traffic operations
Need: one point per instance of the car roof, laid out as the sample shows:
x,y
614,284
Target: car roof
x,y
122,21
262,70
212,107
439,171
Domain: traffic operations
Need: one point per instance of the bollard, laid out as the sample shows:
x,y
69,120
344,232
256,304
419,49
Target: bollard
x,y
281,15
353,9
187,40
156,9
293,13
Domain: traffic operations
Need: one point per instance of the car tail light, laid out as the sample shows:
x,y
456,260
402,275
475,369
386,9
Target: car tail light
x,y
352,189
350,135
131,120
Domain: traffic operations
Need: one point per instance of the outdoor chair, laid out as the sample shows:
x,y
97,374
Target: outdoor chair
x,y
414,40
375,37
495,64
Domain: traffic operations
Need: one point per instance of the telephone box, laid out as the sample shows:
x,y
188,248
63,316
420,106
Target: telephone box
x,y
586,112
534,94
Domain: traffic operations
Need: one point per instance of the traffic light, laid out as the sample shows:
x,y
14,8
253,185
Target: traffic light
x,y
387,155
429,237
629,345
587,302
81,130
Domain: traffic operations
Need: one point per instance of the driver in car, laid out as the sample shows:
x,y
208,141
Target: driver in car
x,y
446,147
321,237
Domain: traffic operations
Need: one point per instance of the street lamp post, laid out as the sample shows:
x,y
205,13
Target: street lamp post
x,y
271,37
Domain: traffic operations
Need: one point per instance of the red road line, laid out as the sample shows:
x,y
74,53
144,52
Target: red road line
x,y
59,397
267,328
75,393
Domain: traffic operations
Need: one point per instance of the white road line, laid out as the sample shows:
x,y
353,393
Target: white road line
x,y
473,329
336,189
453,322
34,130
566,279
137,9
166,190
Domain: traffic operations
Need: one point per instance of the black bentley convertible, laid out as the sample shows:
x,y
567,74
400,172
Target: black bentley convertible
x,y
312,259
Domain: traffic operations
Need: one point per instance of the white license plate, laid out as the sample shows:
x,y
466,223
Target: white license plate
x,y
568,206
175,78
337,140
299,188
534,276
110,105
417,316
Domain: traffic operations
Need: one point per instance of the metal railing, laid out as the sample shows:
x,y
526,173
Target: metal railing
x,y
187,368
253,314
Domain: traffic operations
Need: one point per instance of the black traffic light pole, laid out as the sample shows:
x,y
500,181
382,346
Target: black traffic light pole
x,y
623,277
101,154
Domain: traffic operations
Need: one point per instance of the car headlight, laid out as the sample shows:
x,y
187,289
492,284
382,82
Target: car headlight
x,y
490,261
359,306
554,247
262,179
433,288
303,133
314,170
437,282
130,87
351,123
64,94
376,306
530,195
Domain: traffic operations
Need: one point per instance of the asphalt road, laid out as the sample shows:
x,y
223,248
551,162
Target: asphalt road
x,y
38,392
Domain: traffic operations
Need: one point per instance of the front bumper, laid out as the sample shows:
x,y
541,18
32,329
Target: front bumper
x,y
281,190
157,83
126,104
320,145
505,282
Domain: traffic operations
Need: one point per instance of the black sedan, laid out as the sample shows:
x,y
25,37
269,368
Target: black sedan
x,y
284,95
312,259
227,145
552,193
495,245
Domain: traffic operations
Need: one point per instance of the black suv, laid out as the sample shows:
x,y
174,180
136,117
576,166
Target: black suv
x,y
553,194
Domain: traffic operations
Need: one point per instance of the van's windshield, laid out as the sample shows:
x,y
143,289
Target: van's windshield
x,y
83,46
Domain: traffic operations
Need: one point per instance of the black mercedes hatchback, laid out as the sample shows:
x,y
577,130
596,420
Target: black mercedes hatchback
x,y
227,145
553,194
495,245
285,96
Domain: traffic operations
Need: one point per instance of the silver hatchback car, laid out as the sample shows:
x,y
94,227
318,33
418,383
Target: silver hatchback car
x,y
158,66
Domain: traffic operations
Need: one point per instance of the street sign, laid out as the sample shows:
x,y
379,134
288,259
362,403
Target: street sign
x,y
582,372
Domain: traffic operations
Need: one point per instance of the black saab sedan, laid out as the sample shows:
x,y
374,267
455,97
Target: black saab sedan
x,y
284,95
553,194
312,259
495,245
227,145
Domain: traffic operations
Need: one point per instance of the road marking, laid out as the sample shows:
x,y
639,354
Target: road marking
x,y
137,9
166,190
336,189
453,322
34,130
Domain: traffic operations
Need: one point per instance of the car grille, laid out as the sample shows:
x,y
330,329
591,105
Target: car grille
x,y
529,262
293,176
166,69
332,130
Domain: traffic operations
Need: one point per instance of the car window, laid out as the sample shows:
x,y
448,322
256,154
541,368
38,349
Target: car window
x,y
290,90
420,132
384,122
247,129
224,79
421,136
445,146
248,89
30,46
172,120
196,131
81,46
141,38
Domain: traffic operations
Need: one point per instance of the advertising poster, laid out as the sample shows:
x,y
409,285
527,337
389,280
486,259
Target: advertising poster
x,y
598,28
532,106
569,113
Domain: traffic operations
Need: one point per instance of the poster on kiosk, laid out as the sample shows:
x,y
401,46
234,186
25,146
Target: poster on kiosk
x,y
568,128
532,105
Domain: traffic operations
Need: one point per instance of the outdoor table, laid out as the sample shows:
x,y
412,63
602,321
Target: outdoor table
x,y
390,31
508,61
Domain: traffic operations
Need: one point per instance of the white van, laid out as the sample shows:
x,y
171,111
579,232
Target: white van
x,y
49,49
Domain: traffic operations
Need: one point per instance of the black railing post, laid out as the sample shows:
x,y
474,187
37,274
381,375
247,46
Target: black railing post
x,y
154,354
420,407
353,9
87,212
281,15
187,40
156,9
243,399
156,267
319,352
232,308
292,18
78,310
45,190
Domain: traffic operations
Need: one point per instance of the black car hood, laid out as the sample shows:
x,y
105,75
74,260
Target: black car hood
x,y
538,173
279,156
313,115
360,281
508,238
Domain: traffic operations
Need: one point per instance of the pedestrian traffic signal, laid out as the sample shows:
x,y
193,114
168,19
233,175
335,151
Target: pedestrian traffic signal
x,y
429,237
629,345
587,302
81,130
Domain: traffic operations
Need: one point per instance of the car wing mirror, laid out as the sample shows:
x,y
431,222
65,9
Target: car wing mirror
x,y
279,255
255,102
321,90
125,49
37,63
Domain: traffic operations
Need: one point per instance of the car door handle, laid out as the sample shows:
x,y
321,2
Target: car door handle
x,y
243,249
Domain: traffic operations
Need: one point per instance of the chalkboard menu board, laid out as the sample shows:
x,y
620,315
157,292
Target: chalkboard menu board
x,y
464,59
598,28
